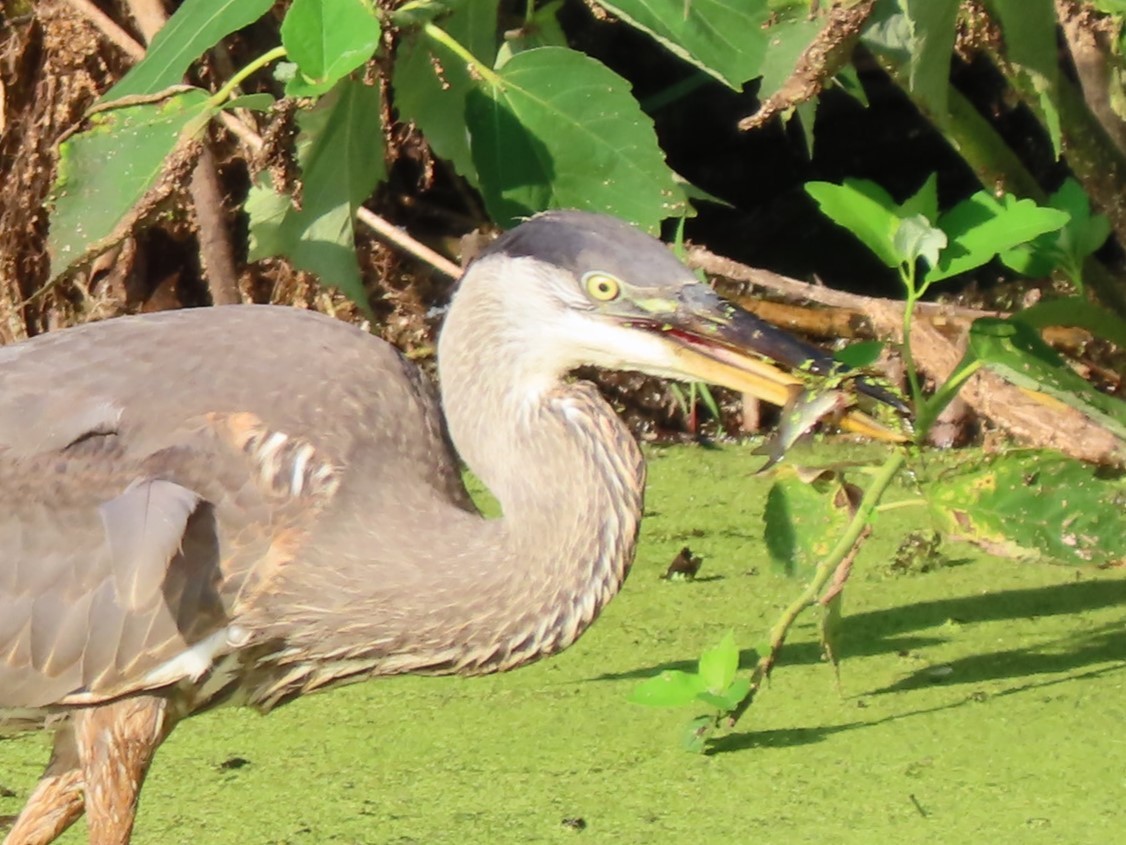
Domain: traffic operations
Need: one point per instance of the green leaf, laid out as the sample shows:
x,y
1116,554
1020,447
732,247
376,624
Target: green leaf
x,y
933,27
672,688
557,129
719,664
1034,505
724,38
327,39
924,201
861,354
1066,248
195,27
1075,311
115,166
1029,31
830,629
866,210
1015,352
253,102
916,238
340,151
696,734
803,520
980,227
789,37
432,83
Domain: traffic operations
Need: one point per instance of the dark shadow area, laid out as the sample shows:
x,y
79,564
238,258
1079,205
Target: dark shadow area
x,y
893,630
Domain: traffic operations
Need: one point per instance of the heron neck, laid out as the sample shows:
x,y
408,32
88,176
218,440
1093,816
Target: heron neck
x,y
569,479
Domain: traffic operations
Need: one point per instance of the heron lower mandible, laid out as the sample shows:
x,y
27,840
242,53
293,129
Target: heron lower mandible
x,y
247,503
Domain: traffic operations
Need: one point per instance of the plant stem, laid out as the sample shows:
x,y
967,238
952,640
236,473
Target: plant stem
x,y
436,33
224,93
825,570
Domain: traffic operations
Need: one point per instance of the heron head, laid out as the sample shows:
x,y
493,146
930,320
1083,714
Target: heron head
x,y
584,288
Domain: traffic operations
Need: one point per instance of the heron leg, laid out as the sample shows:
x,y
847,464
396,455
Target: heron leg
x,y
116,742
57,800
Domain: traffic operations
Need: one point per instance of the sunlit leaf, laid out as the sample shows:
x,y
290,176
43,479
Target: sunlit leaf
x,y
557,129
803,520
432,83
866,210
1034,505
195,27
980,227
340,152
115,167
916,238
863,353
327,39
671,688
719,664
722,37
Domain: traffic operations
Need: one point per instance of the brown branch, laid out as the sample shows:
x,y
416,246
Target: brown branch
x,y
818,63
938,341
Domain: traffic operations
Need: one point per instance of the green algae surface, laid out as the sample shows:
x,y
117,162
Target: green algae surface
x,y
980,700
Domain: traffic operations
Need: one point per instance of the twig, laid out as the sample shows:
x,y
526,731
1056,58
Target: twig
x,y
108,28
847,547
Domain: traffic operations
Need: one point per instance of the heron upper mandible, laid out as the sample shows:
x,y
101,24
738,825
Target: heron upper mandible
x,y
247,503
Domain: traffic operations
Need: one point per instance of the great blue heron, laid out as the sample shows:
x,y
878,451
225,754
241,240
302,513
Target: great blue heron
x,y
247,503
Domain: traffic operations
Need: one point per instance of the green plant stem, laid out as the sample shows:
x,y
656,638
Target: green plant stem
x,y
930,409
917,502
223,94
825,570
436,33
907,273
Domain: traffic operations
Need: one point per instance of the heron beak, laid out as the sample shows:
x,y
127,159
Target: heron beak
x,y
720,343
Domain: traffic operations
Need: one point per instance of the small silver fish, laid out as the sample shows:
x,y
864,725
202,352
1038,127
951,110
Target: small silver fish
x,y
806,407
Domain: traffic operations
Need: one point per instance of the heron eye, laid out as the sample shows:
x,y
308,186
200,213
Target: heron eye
x,y
602,286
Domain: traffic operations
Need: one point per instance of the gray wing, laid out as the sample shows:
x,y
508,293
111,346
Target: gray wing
x,y
176,462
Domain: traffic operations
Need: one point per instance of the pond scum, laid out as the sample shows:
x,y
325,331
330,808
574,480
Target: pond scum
x,y
980,700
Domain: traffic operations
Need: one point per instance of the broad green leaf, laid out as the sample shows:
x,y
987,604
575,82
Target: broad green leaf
x,y
1075,311
719,664
866,210
432,83
1015,352
195,27
980,227
725,38
1034,505
803,520
1029,31
1066,248
861,354
558,129
932,26
916,238
672,688
115,166
327,39
340,152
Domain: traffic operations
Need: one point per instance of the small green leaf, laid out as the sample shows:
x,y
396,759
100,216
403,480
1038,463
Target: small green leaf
x,y
916,238
696,734
861,354
253,102
328,39
982,226
719,664
672,688
866,210
194,28
924,201
542,30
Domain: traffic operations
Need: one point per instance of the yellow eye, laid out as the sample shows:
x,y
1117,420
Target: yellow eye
x,y
602,286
